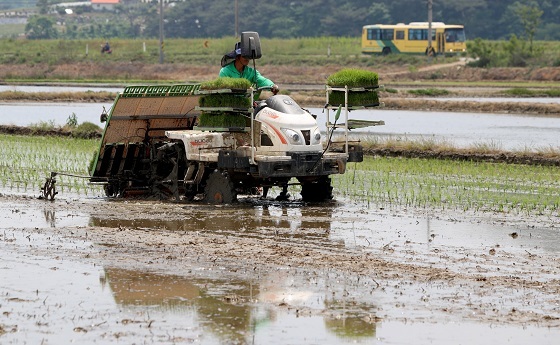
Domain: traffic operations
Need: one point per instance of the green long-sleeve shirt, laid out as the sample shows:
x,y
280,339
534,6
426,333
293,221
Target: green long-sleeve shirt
x,y
248,73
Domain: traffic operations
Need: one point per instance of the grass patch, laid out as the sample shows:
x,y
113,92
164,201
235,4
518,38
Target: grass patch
x,y
87,130
429,92
71,128
524,92
85,96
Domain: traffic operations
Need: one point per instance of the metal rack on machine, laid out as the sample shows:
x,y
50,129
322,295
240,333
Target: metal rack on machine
x,y
346,107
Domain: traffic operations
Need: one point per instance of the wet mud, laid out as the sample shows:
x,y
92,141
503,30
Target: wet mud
x,y
130,271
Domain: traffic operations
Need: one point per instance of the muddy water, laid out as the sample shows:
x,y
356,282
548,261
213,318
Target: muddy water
x,y
58,288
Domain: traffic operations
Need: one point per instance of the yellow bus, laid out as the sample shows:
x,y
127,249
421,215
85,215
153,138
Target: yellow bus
x,y
413,38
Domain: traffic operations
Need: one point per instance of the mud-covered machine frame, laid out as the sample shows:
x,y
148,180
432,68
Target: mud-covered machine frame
x,y
140,153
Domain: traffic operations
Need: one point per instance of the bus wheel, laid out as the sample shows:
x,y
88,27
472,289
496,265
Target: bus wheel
x,y
386,51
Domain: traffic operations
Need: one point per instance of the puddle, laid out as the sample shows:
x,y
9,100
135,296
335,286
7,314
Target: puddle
x,y
332,224
337,225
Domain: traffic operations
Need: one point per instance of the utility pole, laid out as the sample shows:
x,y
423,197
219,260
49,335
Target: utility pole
x,y
236,18
429,51
161,31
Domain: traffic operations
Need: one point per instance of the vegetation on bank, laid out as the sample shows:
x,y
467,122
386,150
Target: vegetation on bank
x,y
85,130
81,96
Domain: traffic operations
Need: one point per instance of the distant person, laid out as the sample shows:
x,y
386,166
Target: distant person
x,y
236,66
106,48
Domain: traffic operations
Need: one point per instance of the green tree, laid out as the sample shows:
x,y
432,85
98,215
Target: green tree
x,y
530,16
517,52
378,13
43,6
40,27
482,51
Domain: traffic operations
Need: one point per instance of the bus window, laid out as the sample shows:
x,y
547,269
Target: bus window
x,y
400,34
380,34
420,34
455,35
417,34
372,34
387,34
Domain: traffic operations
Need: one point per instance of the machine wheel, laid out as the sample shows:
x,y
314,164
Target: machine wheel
x,y
386,51
49,189
320,190
219,189
111,189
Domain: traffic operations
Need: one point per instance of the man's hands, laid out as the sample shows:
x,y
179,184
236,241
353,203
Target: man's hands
x,y
274,89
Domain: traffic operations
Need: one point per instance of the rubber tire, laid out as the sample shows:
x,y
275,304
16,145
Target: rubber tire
x,y
318,191
386,51
111,190
219,189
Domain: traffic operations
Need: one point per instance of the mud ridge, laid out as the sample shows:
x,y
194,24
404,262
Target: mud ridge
x,y
498,157
59,132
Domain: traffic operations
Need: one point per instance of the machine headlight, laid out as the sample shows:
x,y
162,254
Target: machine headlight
x,y
293,136
316,136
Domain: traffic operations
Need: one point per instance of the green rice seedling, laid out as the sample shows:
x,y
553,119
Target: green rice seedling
x,y
361,98
226,83
29,160
460,185
222,120
226,100
354,78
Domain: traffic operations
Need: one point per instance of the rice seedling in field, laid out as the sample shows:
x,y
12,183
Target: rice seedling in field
x,y
458,185
29,160
378,181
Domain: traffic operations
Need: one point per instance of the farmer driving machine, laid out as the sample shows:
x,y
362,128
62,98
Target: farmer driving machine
x,y
214,141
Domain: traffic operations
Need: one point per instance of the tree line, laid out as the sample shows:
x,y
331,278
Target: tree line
x,y
486,19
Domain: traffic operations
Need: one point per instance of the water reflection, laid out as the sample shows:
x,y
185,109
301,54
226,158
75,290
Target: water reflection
x,y
283,221
237,311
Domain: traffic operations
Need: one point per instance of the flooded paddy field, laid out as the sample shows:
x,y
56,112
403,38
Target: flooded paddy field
x,y
93,270
427,253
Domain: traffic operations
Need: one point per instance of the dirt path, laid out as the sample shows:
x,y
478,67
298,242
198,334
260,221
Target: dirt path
x,y
432,67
